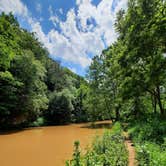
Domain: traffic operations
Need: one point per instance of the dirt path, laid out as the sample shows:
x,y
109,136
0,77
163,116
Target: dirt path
x,y
131,150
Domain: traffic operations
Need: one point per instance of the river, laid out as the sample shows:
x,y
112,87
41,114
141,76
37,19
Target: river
x,y
46,146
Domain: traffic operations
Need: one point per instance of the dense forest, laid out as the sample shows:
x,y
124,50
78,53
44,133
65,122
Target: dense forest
x,y
34,89
126,83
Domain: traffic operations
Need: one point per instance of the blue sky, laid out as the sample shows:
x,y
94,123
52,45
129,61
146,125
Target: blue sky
x,y
73,31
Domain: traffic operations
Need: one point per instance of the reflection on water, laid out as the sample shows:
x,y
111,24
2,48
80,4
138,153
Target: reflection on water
x,y
45,146
102,125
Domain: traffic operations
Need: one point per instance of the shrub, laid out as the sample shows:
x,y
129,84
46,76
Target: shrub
x,y
38,122
151,154
59,110
150,139
152,130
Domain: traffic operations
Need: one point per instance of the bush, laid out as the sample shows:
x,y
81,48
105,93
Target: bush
x,y
108,150
38,122
150,139
151,154
152,130
59,110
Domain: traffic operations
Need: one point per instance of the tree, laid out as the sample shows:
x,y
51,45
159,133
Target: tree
x,y
8,40
23,91
131,72
59,110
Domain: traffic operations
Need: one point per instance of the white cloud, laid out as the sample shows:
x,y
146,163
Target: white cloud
x,y
15,6
84,33
53,17
61,11
55,20
38,7
74,44
36,27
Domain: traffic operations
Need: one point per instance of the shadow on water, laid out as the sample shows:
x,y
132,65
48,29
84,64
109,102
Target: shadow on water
x,y
98,126
14,131
95,125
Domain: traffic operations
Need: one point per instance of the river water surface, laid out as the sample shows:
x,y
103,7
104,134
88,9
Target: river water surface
x,y
46,146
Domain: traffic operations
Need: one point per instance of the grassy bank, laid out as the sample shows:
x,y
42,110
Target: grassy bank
x,y
106,150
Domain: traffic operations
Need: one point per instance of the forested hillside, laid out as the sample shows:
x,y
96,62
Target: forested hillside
x,y
34,89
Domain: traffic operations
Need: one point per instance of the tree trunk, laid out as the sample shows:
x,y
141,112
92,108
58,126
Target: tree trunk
x,y
108,107
117,113
154,103
159,101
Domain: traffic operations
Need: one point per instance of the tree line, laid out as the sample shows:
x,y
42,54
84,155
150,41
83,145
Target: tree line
x,y
34,89
129,78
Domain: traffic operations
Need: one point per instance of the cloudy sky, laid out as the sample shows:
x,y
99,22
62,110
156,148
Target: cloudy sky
x,y
72,30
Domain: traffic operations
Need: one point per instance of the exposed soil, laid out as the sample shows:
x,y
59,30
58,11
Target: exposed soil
x,y
131,150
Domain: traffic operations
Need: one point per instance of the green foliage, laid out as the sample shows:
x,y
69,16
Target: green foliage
x,y
34,89
55,79
149,137
127,81
65,95
31,84
107,150
151,154
9,98
23,91
8,40
76,156
148,130
80,113
39,122
131,73
59,110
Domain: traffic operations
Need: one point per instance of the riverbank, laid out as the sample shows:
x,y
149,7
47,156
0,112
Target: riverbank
x,y
108,149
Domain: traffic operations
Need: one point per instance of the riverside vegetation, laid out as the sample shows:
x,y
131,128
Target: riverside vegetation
x,y
106,150
126,83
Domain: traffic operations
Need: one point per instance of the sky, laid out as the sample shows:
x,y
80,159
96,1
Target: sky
x,y
73,31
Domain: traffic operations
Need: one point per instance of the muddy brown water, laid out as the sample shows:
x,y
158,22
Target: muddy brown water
x,y
46,146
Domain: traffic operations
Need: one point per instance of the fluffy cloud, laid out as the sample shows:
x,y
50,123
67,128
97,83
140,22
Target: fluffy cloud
x,y
16,6
53,17
85,32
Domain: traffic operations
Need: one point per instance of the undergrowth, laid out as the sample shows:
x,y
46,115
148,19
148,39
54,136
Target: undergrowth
x,y
149,136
